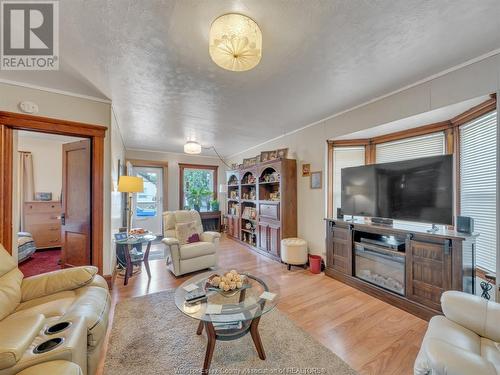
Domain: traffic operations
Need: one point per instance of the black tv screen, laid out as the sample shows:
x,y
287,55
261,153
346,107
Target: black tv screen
x,y
413,190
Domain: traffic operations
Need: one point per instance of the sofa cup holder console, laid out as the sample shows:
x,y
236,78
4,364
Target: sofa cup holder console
x,y
56,328
48,345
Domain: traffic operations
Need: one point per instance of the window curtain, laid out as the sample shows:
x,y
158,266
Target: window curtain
x,y
26,183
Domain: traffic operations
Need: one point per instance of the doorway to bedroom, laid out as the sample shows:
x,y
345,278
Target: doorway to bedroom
x,y
53,185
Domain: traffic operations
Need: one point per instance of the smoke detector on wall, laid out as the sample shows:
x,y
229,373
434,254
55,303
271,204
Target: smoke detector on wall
x,y
28,107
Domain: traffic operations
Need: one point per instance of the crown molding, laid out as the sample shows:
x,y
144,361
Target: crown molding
x,y
54,91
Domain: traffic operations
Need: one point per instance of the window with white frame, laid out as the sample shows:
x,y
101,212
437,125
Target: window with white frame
x,y
411,148
478,168
344,157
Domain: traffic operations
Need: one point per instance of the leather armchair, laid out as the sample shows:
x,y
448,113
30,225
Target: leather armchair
x,y
464,341
182,259
28,306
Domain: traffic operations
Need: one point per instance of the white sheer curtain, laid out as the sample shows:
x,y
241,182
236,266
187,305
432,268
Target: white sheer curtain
x,y
26,183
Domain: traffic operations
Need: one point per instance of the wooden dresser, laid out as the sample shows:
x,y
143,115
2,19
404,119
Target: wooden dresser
x,y
42,220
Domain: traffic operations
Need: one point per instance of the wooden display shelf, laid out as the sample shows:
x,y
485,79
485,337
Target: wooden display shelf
x,y
279,217
269,183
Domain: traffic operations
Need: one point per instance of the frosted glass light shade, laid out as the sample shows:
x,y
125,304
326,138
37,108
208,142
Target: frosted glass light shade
x,y
235,42
192,147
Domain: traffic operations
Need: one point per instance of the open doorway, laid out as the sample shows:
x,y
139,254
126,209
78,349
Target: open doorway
x,y
54,191
152,202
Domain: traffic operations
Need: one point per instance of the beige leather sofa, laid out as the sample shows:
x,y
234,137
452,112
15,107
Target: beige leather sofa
x,y
182,259
463,342
29,306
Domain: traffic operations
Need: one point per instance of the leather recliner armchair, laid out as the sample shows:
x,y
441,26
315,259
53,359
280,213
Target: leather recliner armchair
x,y
28,306
465,341
182,259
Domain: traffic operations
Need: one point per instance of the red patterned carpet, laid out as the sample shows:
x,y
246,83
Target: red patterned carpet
x,y
40,262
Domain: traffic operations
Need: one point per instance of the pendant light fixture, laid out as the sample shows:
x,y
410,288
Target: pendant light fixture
x,y
235,42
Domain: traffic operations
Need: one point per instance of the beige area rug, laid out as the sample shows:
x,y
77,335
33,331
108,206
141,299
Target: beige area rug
x,y
151,336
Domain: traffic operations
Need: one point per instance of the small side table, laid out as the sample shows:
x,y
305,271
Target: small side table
x,y
125,249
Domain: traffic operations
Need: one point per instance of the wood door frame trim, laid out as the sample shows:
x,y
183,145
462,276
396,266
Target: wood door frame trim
x,y
183,166
155,164
10,121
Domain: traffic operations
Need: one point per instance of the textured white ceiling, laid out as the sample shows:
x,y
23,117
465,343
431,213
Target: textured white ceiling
x,y
151,59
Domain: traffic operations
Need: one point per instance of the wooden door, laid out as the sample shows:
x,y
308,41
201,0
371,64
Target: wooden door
x,y
75,220
428,271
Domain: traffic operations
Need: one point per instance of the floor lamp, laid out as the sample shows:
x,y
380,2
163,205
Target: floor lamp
x,y
130,185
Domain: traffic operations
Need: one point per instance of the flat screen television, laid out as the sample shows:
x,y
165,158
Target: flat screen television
x,y
413,190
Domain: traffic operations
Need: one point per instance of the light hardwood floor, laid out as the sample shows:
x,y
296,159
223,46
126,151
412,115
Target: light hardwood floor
x,y
372,336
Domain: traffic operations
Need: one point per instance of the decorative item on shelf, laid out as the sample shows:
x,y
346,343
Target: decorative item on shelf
x,y
273,155
234,209
233,194
271,177
264,156
316,181
246,163
275,196
306,170
227,284
130,185
252,194
40,196
234,166
233,181
250,162
248,179
249,213
282,153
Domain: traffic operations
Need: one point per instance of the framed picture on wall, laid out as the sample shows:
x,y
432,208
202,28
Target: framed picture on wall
x,y
316,180
306,170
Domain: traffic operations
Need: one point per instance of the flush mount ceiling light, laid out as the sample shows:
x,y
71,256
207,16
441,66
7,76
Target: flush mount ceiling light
x,y
235,42
192,147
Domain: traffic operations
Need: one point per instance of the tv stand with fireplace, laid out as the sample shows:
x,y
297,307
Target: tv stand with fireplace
x,y
403,265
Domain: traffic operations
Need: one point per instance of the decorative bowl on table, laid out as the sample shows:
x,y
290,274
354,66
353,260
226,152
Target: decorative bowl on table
x,y
228,284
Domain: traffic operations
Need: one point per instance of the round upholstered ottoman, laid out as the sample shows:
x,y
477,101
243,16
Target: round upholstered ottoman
x,y
294,252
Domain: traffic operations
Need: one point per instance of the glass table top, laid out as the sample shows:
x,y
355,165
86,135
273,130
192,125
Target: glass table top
x,y
255,298
136,239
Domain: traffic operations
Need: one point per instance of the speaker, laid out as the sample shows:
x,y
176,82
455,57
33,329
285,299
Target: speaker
x,y
340,215
465,224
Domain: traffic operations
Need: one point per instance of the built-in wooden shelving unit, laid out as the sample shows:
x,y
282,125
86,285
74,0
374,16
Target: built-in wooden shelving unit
x,y
262,205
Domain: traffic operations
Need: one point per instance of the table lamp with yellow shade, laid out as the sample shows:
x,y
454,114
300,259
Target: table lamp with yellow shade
x,y
130,185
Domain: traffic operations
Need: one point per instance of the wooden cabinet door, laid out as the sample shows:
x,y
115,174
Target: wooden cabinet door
x,y
339,248
263,229
230,225
428,271
330,225
235,226
274,239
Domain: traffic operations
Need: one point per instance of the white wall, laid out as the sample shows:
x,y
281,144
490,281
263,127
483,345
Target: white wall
x,y
47,162
309,144
173,160
66,107
117,153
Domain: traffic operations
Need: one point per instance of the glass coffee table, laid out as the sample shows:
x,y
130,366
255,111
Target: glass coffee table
x,y
240,310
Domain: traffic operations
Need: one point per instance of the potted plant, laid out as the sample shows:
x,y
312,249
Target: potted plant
x,y
214,205
195,197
